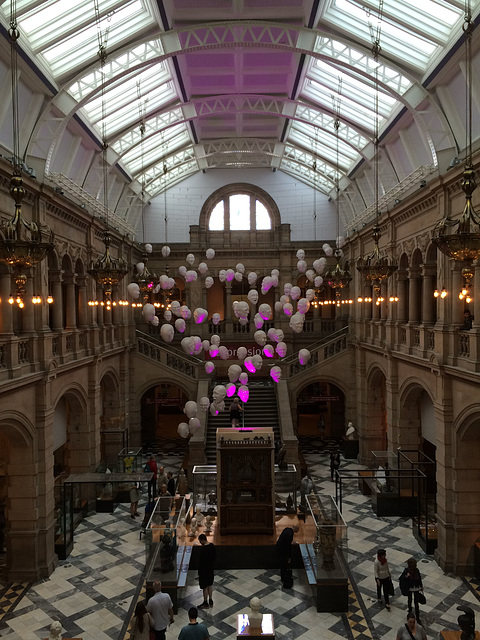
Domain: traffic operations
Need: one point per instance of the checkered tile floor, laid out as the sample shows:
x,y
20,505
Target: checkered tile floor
x,y
94,591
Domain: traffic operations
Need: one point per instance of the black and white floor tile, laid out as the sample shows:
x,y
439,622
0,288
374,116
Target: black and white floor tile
x,y
94,591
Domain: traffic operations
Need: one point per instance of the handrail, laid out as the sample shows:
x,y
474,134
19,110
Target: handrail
x,y
168,347
316,345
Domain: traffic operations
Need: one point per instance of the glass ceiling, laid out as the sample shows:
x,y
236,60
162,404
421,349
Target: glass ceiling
x,y
143,84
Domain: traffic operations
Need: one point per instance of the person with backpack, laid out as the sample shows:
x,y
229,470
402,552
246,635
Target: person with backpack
x,y
411,586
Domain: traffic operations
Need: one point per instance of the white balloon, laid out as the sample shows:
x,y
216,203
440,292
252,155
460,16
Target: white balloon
x,y
234,371
266,284
194,425
222,275
278,306
231,389
180,325
167,332
175,308
185,344
281,349
148,312
190,409
190,258
133,290
155,321
328,249
240,267
200,315
280,335
295,293
241,353
287,288
182,271
288,309
252,295
243,392
210,254
206,345
223,352
257,361
215,339
208,282
268,351
258,321
140,266
238,276
185,312
204,403
243,321
242,309
243,378
265,311
216,318
252,278
340,242
318,281
272,334
213,410
304,356
302,266
148,248
300,254
196,344
296,322
183,430
284,299
229,275
167,314
276,373
303,305
310,294
165,251
220,406
260,337
219,393
191,276
310,275
274,281
209,367
202,268
275,273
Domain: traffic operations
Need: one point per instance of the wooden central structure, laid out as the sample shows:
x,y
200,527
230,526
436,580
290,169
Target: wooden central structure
x,y
245,480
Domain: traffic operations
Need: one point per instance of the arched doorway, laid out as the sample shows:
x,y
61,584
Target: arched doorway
x,y
321,400
162,411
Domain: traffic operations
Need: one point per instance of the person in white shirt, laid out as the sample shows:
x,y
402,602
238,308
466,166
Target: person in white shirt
x,y
383,578
160,606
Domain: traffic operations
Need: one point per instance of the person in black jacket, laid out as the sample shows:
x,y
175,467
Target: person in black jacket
x,y
413,581
284,550
206,566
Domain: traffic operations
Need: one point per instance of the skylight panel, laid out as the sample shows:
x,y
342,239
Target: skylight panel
x,y
77,48
154,151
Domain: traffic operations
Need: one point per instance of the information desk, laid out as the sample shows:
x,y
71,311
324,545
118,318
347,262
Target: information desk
x,y
267,629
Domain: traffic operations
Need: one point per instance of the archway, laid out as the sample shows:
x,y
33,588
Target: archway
x,y
375,435
162,411
321,400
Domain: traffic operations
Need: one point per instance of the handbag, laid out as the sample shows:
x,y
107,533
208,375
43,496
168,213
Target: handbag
x,y
421,597
390,587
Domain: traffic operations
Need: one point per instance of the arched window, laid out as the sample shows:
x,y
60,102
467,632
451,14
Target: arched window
x,y
240,207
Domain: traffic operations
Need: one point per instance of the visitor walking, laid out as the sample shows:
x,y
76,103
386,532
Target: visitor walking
x,y
411,585
161,608
383,578
411,630
193,630
235,409
142,622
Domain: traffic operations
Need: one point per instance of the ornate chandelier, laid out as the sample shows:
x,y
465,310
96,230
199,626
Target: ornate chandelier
x,y
376,269
23,244
460,239
338,278
106,271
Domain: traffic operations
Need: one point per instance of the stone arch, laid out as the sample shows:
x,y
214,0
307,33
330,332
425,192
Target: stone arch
x,y
161,409
466,481
416,400
374,434
320,399
240,187
74,440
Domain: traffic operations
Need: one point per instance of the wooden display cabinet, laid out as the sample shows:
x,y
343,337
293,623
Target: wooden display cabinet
x,y
245,480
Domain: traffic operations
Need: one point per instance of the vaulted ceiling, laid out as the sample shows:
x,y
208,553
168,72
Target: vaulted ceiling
x,y
243,83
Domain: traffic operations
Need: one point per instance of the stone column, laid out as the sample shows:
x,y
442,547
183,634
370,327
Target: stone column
x,y
6,317
57,316
402,297
413,308
82,302
428,299
457,305
228,300
71,315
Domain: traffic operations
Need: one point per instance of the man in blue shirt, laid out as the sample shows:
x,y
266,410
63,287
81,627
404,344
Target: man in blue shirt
x,y
193,630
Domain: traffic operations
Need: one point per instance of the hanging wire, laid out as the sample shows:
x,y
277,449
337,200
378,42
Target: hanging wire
x,y
314,167
337,104
142,109
165,171
14,34
468,31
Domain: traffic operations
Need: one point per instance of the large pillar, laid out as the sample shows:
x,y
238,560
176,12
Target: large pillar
x,y
428,299
82,302
413,308
71,315
57,319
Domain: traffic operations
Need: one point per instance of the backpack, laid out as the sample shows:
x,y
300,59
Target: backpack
x,y
146,468
403,583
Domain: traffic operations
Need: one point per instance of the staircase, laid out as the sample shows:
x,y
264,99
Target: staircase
x,y
260,411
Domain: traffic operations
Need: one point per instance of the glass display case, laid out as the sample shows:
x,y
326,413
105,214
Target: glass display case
x,y
165,532
205,488
64,525
285,489
130,460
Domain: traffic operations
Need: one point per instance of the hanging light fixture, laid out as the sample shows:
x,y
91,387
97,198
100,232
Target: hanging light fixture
x,y
23,244
142,277
376,269
460,239
106,271
338,278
